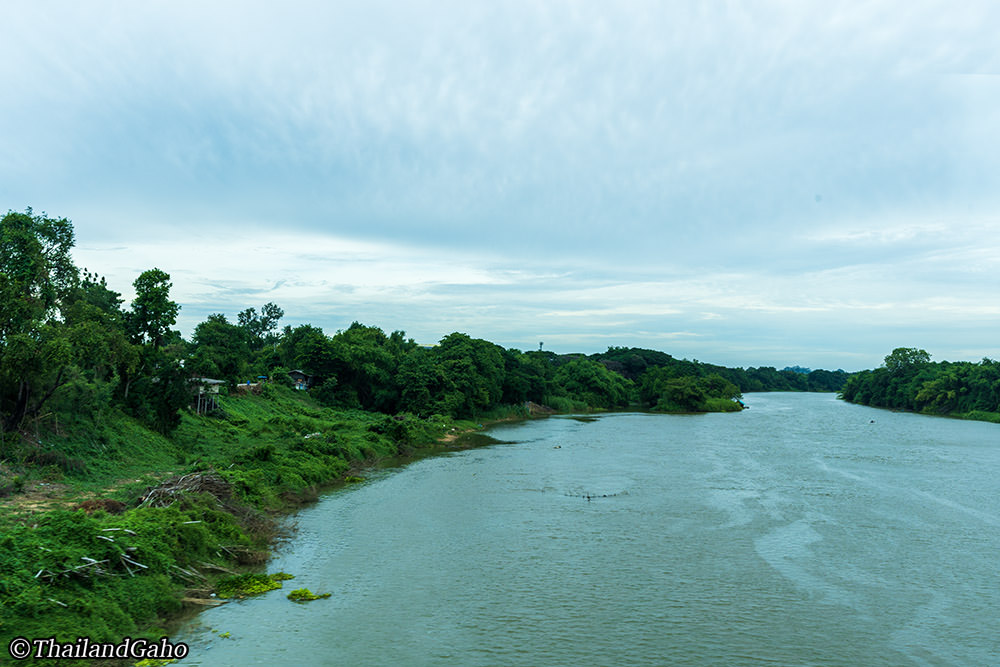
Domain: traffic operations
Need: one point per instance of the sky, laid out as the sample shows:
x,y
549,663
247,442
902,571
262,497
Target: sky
x,y
742,183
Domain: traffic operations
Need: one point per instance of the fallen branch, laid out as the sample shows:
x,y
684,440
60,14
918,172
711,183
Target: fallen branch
x,y
217,568
166,493
126,558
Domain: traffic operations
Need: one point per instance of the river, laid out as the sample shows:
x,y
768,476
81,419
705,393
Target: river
x,y
803,531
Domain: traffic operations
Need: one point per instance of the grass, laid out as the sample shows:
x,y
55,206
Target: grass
x,y
68,573
567,405
980,415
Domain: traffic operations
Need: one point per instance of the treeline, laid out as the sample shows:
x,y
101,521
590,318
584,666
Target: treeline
x,y
633,362
908,380
69,345
363,367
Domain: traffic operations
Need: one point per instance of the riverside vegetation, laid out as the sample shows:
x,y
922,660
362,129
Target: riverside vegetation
x,y
910,381
123,496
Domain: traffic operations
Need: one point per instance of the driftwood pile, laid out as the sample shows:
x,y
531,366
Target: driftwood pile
x,y
254,522
167,493
125,563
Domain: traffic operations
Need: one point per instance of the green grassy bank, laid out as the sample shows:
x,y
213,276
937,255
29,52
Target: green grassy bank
x,y
106,527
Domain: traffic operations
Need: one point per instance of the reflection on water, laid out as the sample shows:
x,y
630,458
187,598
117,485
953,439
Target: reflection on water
x,y
795,533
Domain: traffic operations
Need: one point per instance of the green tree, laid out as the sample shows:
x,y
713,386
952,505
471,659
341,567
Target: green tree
x,y
37,275
160,391
307,348
95,327
156,388
421,384
591,382
259,329
822,380
153,313
366,361
664,392
527,377
474,368
906,359
220,350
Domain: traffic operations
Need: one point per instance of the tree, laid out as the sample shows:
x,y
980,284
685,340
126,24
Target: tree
x,y
475,369
259,329
219,350
421,383
667,393
307,348
37,274
524,377
366,364
592,383
95,326
153,313
822,380
160,392
36,270
904,359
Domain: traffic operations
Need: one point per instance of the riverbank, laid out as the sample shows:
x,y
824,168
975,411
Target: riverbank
x,y
138,530
143,527
724,539
910,381
973,415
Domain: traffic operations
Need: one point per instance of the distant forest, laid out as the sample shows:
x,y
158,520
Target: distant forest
x,y
910,381
69,344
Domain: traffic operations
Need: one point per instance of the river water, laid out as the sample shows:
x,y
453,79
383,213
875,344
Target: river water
x,y
804,531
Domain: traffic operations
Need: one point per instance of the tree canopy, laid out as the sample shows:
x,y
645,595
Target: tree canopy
x,y
37,279
59,330
153,313
910,381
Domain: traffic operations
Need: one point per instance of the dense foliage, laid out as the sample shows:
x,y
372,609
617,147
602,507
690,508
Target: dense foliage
x,y
910,381
665,392
65,334
633,362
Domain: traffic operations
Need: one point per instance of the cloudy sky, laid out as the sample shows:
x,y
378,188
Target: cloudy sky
x,y
744,183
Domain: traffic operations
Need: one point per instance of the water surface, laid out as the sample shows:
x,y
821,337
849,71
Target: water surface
x,y
798,532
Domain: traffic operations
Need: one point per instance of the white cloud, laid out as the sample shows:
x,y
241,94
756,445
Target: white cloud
x,y
595,172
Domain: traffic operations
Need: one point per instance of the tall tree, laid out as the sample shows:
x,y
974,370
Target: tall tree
x,y
36,276
153,313
475,369
95,325
219,350
259,329
906,359
36,270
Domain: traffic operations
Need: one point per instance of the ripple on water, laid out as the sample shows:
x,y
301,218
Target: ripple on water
x,y
791,534
787,549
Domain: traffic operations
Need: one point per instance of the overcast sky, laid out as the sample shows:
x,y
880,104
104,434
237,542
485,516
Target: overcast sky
x,y
743,183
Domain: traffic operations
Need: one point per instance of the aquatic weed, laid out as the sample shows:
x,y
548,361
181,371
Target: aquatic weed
x,y
305,595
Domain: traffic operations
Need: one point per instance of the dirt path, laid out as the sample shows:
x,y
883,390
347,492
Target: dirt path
x,y
37,496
